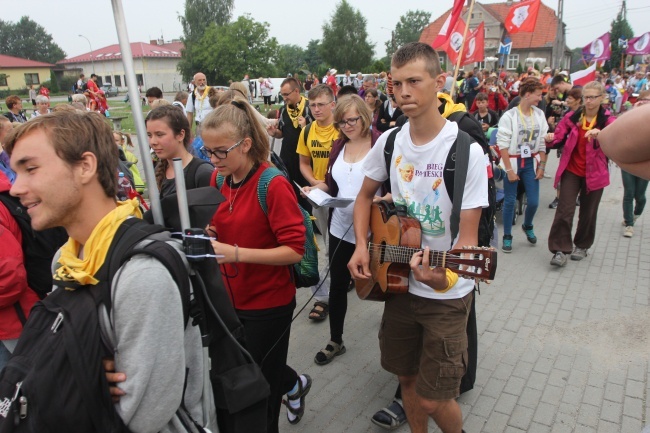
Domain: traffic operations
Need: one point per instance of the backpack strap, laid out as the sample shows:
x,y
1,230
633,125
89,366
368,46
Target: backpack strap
x,y
191,181
306,135
462,148
263,186
388,154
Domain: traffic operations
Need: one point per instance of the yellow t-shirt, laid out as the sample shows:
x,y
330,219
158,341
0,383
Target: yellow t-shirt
x,y
318,147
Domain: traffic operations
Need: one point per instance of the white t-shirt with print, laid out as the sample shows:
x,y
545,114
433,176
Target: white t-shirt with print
x,y
417,182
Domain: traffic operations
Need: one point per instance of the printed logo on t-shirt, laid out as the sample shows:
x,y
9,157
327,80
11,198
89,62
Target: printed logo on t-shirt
x,y
425,209
319,151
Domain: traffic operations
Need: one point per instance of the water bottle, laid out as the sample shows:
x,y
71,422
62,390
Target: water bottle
x,y
107,113
124,188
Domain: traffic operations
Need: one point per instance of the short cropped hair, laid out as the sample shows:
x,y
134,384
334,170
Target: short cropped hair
x,y
12,100
41,99
596,85
291,82
73,133
418,50
181,96
319,90
575,93
481,97
154,92
558,79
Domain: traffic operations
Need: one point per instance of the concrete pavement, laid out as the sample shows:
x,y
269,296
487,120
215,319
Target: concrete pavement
x,y
560,349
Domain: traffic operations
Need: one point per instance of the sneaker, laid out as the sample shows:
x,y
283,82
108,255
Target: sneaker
x,y
636,217
629,231
559,259
579,254
554,203
530,234
506,246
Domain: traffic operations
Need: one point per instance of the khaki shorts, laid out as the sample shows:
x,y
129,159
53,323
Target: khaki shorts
x,y
426,338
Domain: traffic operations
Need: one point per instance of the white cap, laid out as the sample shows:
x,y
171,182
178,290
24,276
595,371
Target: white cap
x,y
333,71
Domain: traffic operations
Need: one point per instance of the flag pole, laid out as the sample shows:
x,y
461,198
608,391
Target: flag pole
x,y
136,110
462,46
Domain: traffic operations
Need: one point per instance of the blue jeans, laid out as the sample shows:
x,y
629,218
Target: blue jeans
x,y
531,185
633,191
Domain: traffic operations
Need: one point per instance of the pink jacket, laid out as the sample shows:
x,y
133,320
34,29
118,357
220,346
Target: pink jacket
x,y
566,132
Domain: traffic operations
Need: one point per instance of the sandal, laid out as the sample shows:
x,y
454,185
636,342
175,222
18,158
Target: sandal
x,y
301,393
319,312
390,417
325,356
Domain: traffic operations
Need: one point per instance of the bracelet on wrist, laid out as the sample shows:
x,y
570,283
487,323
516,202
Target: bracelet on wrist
x,y
508,171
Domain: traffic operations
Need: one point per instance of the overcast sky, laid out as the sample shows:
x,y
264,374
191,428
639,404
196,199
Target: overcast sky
x,y
290,22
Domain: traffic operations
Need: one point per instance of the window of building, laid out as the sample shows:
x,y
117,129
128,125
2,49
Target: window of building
x,y
480,65
140,79
118,81
32,79
477,15
107,79
513,61
3,80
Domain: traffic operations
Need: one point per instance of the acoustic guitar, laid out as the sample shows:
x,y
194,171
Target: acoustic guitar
x,y
393,241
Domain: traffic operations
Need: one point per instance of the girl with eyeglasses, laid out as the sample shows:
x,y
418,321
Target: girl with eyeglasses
x,y
257,248
343,179
170,137
583,172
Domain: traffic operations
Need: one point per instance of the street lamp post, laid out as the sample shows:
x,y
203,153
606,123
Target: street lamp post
x,y
91,52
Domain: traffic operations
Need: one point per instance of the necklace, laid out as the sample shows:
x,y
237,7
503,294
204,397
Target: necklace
x,y
354,159
230,199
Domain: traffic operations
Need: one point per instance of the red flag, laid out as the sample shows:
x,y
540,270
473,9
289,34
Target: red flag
x,y
448,26
475,45
455,41
522,16
585,76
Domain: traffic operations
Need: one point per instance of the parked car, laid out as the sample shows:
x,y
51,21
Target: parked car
x,y
109,89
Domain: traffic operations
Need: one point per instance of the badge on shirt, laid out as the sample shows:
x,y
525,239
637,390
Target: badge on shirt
x,y
525,151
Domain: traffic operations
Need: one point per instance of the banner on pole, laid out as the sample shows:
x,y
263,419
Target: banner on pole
x,y
448,26
522,16
597,50
475,46
452,46
639,45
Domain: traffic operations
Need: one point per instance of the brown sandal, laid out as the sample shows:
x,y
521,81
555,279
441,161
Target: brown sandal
x,y
319,312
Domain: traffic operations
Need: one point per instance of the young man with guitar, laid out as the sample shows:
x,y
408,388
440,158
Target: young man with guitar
x,y
422,336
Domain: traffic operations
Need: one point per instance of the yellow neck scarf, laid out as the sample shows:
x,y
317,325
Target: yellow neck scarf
x,y
294,114
591,125
83,270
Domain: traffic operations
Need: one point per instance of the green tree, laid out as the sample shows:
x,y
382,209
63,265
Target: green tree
x,y
313,59
345,39
29,40
408,29
290,59
620,29
228,52
198,17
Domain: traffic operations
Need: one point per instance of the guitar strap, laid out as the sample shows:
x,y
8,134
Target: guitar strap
x,y
463,142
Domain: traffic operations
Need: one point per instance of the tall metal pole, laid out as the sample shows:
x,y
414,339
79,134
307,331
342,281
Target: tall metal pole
x,y
462,47
136,110
559,36
92,60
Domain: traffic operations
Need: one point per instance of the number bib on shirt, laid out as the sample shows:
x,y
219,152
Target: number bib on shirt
x,y
525,151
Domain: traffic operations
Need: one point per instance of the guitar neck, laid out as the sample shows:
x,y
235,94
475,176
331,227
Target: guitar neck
x,y
401,254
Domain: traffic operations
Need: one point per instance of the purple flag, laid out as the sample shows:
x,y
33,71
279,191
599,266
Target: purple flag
x,y
597,50
639,45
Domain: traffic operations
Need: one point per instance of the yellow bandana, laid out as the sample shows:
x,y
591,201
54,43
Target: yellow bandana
x,y
83,270
294,114
591,125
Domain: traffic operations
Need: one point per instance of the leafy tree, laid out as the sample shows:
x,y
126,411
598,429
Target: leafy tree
x,y
290,59
313,59
620,29
345,39
29,40
408,29
199,15
228,52
378,66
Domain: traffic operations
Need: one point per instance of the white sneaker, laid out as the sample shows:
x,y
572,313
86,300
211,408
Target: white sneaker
x,y
629,231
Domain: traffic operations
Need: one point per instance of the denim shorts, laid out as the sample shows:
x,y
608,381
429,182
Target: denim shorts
x,y
426,338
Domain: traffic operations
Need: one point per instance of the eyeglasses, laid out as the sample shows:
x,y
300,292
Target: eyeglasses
x,y
284,95
350,122
221,154
592,98
319,105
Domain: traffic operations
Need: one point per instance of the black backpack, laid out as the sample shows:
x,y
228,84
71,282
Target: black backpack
x,y
38,247
55,376
487,221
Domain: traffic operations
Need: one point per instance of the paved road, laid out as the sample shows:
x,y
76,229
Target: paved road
x,y
560,350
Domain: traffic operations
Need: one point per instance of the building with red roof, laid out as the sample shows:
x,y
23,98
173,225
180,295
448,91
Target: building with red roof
x,y
527,48
17,73
155,65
